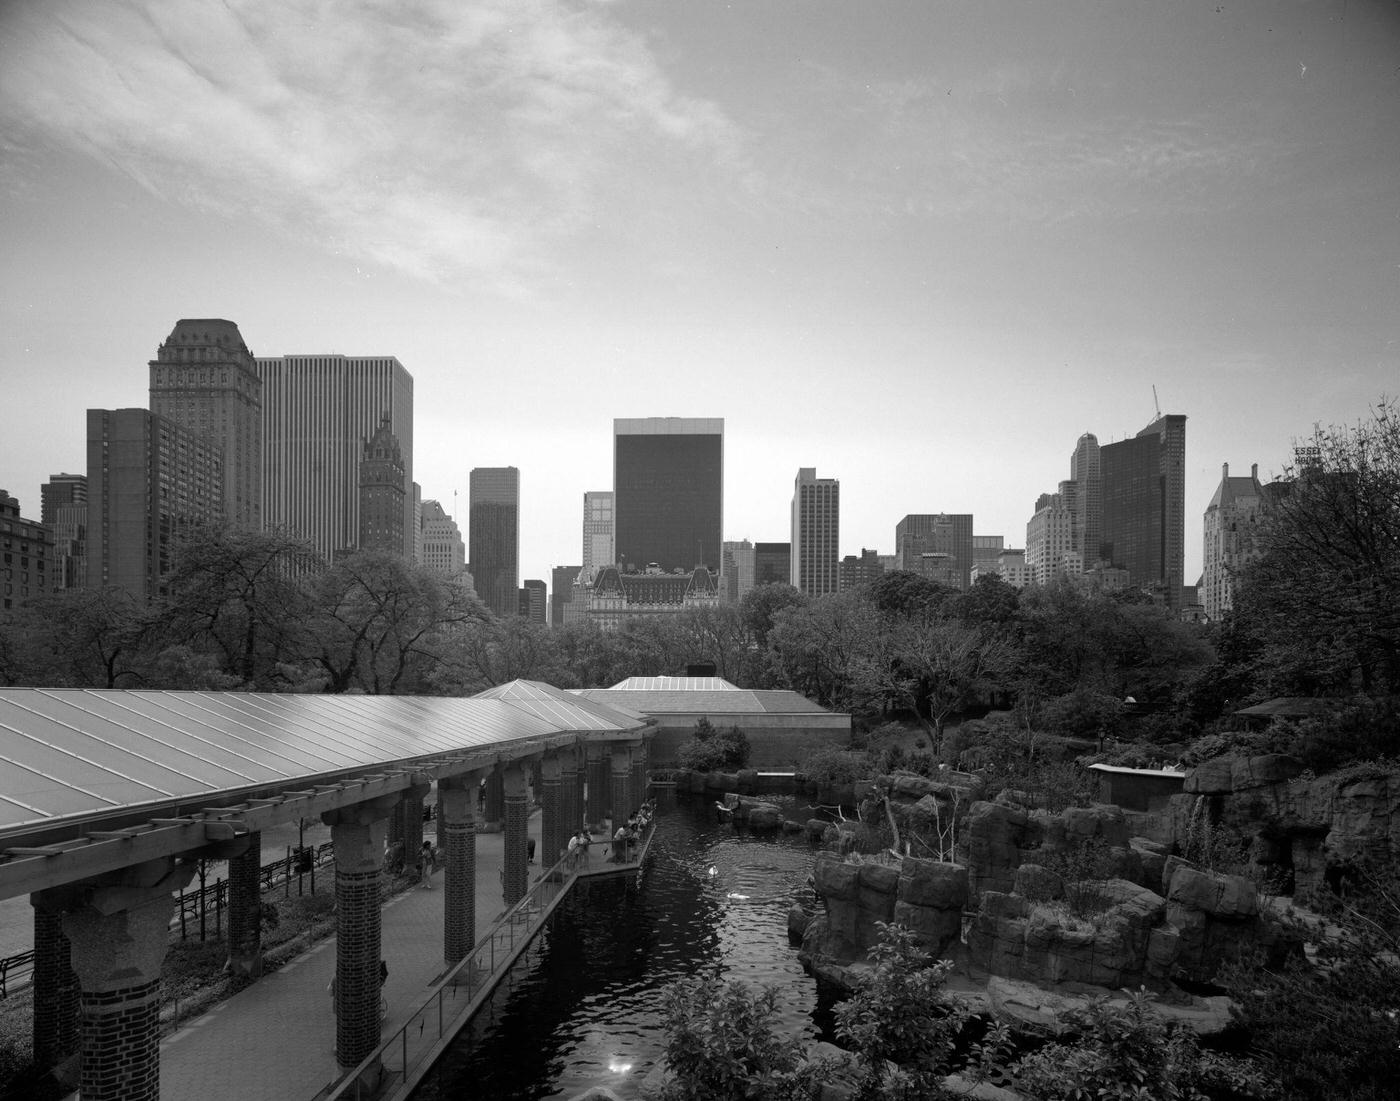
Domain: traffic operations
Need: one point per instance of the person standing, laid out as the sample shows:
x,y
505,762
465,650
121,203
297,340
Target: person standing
x,y
427,864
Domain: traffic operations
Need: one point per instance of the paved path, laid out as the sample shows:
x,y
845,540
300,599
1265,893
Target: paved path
x,y
275,1040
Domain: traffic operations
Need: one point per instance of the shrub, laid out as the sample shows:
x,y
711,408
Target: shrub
x,y
1131,1052
838,766
1330,1027
1083,868
711,750
721,1043
900,1022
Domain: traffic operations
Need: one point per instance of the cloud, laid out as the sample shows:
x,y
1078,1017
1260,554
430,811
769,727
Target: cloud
x,y
441,138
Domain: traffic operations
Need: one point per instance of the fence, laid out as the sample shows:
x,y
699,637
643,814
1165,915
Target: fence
x,y
298,864
410,1050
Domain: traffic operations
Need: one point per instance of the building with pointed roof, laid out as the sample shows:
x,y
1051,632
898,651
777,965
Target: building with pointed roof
x,y
1231,524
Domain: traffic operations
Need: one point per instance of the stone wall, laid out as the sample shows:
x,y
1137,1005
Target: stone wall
x,y
1300,827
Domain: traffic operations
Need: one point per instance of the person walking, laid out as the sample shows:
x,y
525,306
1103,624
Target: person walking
x,y
427,864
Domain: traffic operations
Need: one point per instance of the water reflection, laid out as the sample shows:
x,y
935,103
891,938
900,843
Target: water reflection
x,y
584,1007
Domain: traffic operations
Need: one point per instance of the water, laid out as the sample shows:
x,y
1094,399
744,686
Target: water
x,y
583,1008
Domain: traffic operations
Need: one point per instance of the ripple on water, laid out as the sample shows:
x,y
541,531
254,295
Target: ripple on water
x,y
585,1008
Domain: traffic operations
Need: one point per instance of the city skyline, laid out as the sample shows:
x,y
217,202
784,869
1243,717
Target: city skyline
x,y
924,253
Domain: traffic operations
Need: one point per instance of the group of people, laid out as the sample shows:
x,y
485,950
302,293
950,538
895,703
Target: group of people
x,y
578,848
629,834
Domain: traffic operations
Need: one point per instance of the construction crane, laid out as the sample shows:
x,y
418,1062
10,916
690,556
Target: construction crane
x,y
1155,404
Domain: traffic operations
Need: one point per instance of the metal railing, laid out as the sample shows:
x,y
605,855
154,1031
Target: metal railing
x,y
194,907
409,1050
16,972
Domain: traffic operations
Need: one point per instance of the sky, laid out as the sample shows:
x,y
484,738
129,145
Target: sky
x,y
920,246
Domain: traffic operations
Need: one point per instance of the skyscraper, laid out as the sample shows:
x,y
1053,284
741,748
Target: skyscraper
x,y
493,537
26,570
1052,536
205,380
816,532
668,484
443,549
149,480
736,570
941,533
1231,528
533,600
1144,507
317,412
1085,471
772,563
63,510
382,513
561,593
597,533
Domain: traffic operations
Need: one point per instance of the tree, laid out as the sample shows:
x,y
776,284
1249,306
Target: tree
x,y
722,1045
378,622
760,606
933,666
1324,594
899,1021
239,594
819,645
80,638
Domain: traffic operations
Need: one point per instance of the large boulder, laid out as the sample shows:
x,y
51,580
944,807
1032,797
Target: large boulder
x,y
930,900
995,835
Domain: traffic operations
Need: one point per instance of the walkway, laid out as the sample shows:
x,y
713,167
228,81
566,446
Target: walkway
x,y
275,1041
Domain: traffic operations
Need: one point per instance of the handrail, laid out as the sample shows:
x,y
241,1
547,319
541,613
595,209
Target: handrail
x,y
16,968
431,1023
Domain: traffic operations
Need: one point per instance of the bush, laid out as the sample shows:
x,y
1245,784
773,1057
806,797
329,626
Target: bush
x,y
900,1022
721,1044
709,750
1130,1052
838,766
1330,1027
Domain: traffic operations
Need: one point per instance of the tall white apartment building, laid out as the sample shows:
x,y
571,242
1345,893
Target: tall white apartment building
x,y
317,413
444,551
1231,524
816,533
1052,536
597,533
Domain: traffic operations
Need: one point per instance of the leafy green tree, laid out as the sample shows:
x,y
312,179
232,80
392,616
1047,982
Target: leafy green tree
x,y
378,622
1323,598
239,595
79,638
821,644
901,1023
722,1044
481,651
710,750
1131,1053
760,606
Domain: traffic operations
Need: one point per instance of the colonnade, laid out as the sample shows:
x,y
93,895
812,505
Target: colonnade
x,y
99,943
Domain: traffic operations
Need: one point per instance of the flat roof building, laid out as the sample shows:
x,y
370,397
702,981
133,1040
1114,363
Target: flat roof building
x,y
668,486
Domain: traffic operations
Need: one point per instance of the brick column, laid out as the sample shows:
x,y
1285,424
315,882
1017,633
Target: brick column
x,y
570,795
410,811
639,775
551,845
599,770
517,821
119,932
358,833
57,1001
622,804
495,801
457,837
245,911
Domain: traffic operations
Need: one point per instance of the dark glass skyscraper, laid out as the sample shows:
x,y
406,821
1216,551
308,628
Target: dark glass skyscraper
x,y
668,486
493,537
1144,506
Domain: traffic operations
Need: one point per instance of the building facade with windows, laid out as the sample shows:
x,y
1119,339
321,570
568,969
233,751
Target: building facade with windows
x,y
443,549
772,563
816,533
205,380
1144,507
63,510
149,481
617,596
493,537
736,570
668,493
862,569
317,412
597,532
382,512
945,533
26,556
1232,522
